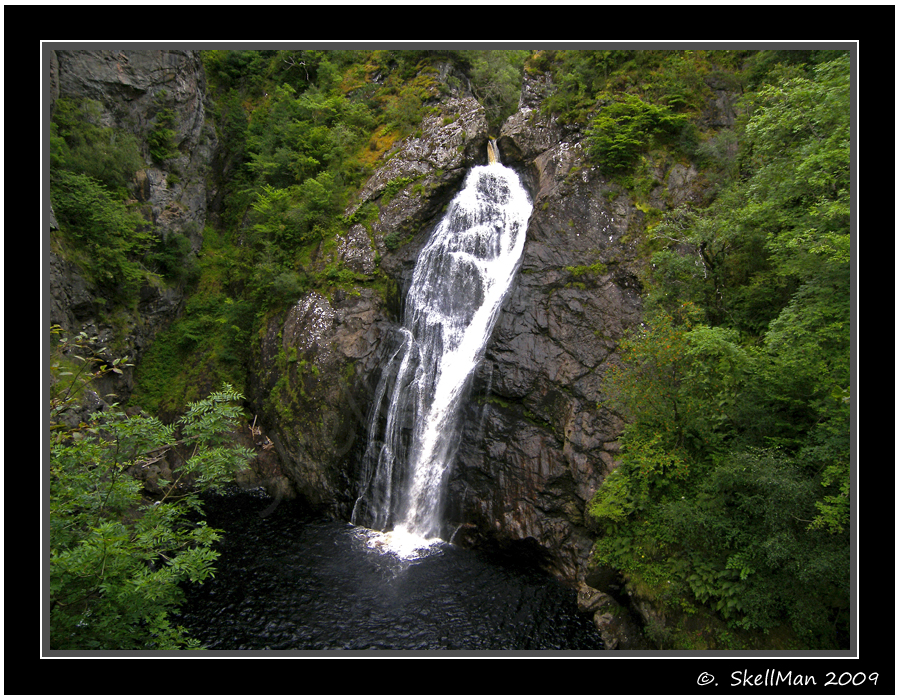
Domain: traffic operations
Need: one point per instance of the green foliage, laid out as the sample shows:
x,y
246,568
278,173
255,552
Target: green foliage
x,y
293,138
800,188
761,565
672,79
496,78
295,216
209,343
79,143
393,240
626,127
614,502
782,224
406,111
116,561
113,237
392,187
578,76
742,529
162,139
735,462
172,257
680,379
598,268
92,167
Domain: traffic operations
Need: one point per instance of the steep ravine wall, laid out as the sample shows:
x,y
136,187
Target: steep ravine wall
x,y
537,439
317,366
131,87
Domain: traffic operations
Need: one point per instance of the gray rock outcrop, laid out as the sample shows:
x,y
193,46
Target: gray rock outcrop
x,y
310,382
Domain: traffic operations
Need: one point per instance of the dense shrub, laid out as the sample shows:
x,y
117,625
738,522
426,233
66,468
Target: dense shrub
x,y
116,559
79,143
626,127
113,237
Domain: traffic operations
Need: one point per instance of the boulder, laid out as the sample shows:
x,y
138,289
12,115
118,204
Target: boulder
x,y
312,381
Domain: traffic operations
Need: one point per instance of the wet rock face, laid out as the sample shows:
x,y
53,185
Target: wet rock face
x,y
318,365
537,440
412,188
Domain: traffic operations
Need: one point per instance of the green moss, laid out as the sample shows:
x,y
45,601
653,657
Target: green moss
x,y
394,240
394,186
598,268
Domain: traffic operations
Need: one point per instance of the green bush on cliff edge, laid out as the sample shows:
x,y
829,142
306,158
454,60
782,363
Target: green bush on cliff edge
x,y
626,127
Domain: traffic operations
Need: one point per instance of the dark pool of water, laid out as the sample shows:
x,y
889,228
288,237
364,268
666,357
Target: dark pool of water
x,y
289,581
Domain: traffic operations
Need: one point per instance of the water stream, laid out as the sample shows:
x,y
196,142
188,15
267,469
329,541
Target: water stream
x,y
459,283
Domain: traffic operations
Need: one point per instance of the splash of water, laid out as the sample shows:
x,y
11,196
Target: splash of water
x,y
459,283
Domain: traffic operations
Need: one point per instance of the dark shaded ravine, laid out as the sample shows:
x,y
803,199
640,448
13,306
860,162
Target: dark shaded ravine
x,y
291,581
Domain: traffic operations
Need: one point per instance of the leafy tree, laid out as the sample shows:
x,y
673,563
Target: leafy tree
x,y
680,379
162,138
497,81
734,489
296,215
116,560
753,556
578,77
173,257
700,510
799,151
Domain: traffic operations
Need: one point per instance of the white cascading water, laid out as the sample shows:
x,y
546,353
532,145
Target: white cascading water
x,y
460,280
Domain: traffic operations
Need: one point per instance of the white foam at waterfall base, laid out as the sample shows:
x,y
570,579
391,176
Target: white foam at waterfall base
x,y
400,543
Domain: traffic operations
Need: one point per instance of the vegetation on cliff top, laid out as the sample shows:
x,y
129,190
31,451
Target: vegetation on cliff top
x,y
299,132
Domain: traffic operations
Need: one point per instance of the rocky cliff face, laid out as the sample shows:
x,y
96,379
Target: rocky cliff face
x,y
132,88
311,381
537,438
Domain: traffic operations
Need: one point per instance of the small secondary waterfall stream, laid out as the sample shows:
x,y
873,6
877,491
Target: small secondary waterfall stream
x,y
460,281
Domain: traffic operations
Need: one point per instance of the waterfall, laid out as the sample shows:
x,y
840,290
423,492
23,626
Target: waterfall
x,y
493,152
459,283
